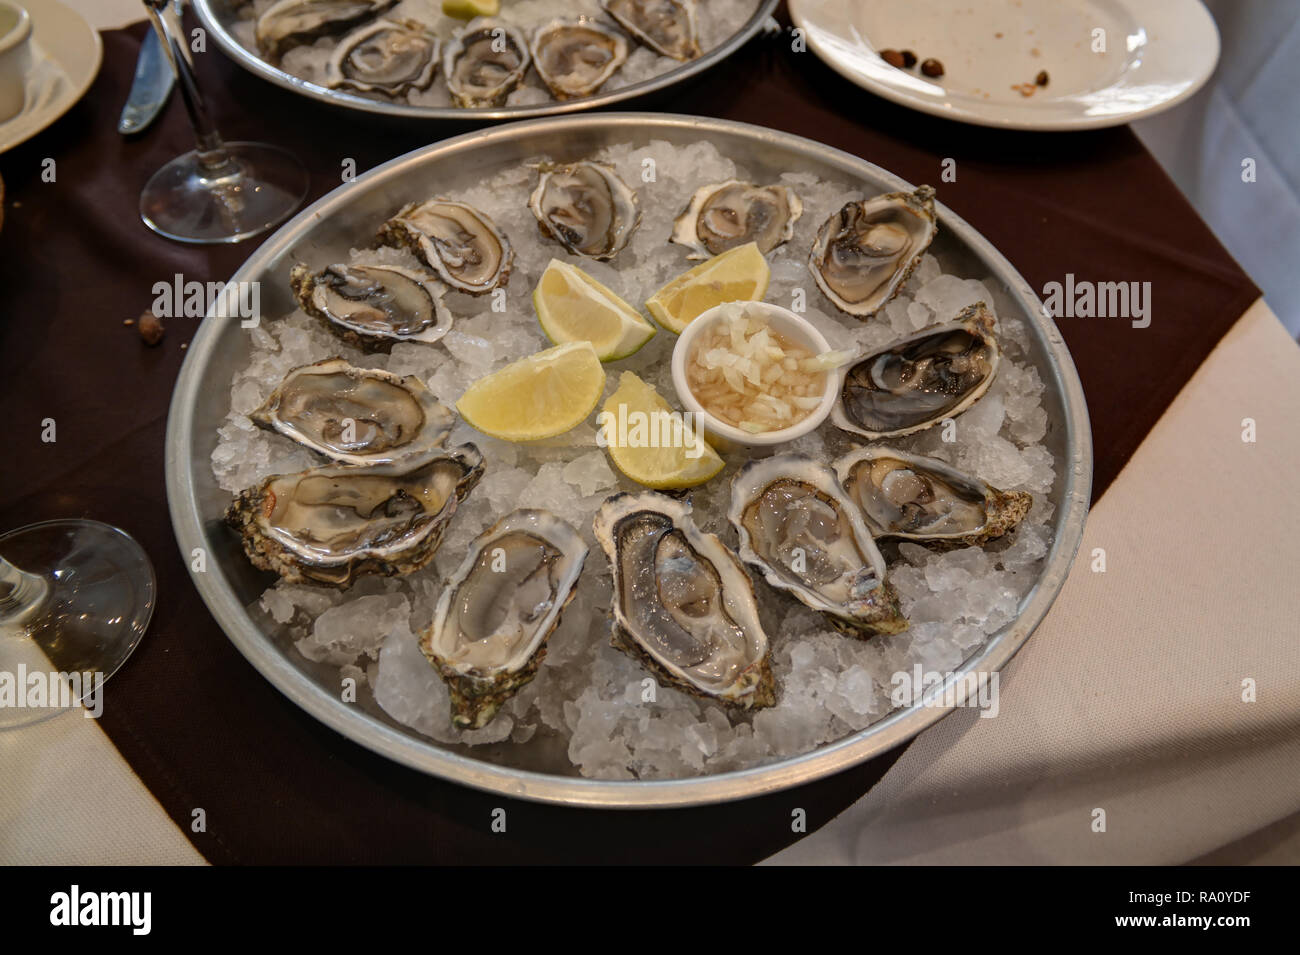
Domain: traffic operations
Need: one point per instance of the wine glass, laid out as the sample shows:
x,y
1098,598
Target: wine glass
x,y
219,192
75,599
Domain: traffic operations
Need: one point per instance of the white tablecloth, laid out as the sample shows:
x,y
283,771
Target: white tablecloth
x,y
1127,699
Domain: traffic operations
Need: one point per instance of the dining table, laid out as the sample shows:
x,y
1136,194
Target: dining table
x,y
1163,687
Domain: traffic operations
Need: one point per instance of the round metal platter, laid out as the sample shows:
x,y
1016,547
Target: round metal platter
x,y
540,770
218,16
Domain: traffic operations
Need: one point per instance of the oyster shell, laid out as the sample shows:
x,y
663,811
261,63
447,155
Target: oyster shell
x,y
457,241
386,56
666,26
373,306
915,498
585,207
490,627
724,215
575,57
359,416
484,62
919,380
683,604
290,23
799,530
335,523
864,253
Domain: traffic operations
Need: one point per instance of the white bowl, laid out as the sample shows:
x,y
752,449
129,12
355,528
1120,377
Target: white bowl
x,y
799,330
15,58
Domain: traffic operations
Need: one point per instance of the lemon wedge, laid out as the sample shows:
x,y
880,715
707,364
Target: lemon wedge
x,y
469,9
536,397
650,442
739,274
572,306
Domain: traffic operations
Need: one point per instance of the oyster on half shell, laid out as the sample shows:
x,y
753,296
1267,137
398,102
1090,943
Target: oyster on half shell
x,y
373,306
484,62
575,57
290,23
492,621
585,207
335,523
911,497
359,416
683,604
457,241
724,215
864,253
919,380
386,56
799,530
666,26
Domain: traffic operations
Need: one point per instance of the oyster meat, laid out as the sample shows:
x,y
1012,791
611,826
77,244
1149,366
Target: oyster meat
x,y
727,214
683,603
864,253
373,306
666,26
290,23
484,62
457,241
335,523
575,57
799,530
359,416
915,498
386,56
490,627
919,380
585,207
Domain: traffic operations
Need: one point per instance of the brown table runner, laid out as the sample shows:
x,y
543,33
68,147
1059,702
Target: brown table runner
x,y
195,721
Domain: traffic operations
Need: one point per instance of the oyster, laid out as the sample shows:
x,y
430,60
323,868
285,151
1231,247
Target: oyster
x,y
457,241
666,26
919,380
575,57
360,416
290,23
373,306
335,523
386,56
585,207
727,214
915,498
490,627
484,62
683,603
800,531
864,253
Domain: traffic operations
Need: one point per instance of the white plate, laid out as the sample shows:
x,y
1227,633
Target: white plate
x,y
71,51
1157,53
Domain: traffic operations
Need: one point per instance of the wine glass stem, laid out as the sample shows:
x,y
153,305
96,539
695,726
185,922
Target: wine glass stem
x,y
21,593
212,151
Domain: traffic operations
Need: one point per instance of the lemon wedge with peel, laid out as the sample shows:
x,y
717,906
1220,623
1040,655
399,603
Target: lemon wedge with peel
x,y
536,397
572,306
469,9
650,442
739,274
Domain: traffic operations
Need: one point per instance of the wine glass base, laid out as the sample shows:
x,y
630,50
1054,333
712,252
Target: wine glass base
x,y
91,617
259,187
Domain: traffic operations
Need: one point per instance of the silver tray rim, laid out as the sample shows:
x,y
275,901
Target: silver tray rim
x,y
254,64
426,755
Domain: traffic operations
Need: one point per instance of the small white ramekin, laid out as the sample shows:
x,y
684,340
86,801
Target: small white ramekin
x,y
15,58
796,329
